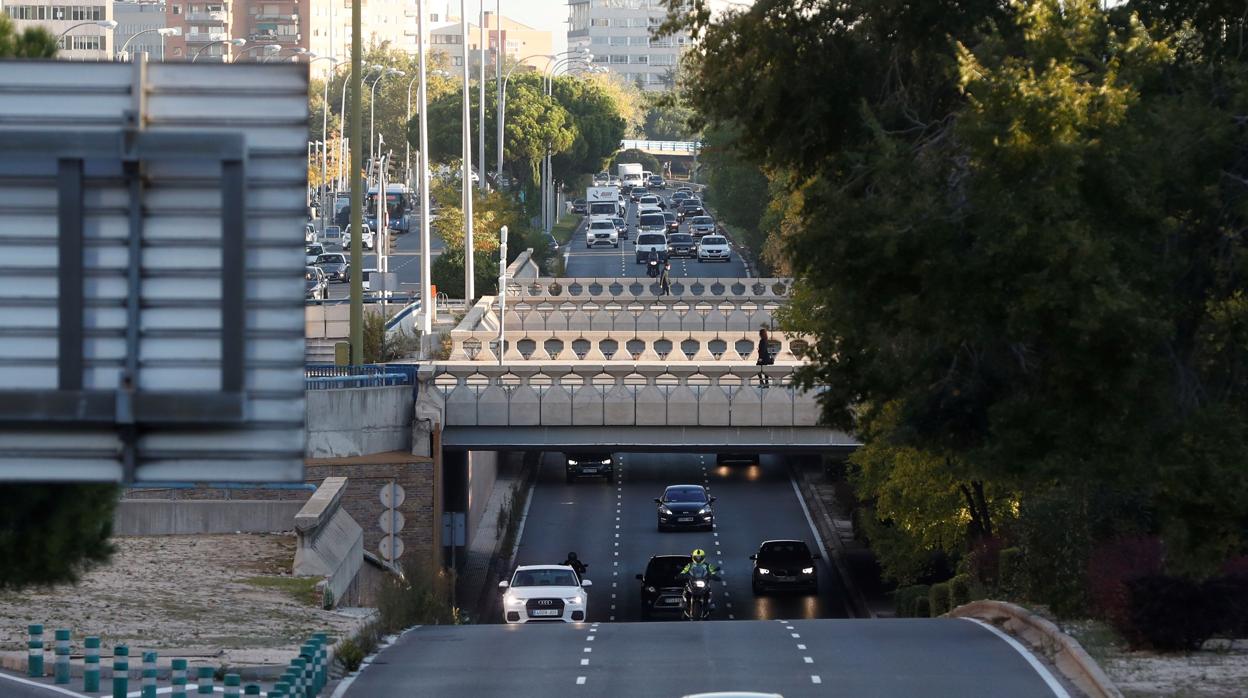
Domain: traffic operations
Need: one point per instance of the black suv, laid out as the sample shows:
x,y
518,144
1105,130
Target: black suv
x,y
590,465
784,564
661,591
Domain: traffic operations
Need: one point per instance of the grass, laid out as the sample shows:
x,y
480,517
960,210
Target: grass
x,y
302,589
563,230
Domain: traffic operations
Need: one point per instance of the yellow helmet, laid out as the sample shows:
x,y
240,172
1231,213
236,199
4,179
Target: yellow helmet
x,y
698,555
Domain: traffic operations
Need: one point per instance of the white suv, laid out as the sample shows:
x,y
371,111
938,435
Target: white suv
x,y
545,593
602,231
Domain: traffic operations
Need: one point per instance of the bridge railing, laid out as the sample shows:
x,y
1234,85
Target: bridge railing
x,y
677,147
597,346
618,394
330,376
664,313
645,288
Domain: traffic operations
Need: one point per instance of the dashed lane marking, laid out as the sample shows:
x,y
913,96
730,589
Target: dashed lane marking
x,y
814,678
796,636
580,681
808,660
585,662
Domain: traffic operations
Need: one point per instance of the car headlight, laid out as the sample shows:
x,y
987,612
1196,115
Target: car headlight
x,y
606,461
571,462
574,600
512,600
764,570
651,589
704,510
664,510
808,570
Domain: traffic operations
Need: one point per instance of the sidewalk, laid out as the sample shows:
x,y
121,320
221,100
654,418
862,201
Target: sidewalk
x,y
481,566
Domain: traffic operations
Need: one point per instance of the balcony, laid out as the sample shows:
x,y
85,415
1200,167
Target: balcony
x,y
266,38
214,17
206,37
277,17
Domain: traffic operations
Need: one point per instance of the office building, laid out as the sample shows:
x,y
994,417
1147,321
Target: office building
x,y
520,41
80,38
619,34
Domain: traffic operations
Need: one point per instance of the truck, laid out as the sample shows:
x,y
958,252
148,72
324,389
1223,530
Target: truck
x,y
603,201
630,174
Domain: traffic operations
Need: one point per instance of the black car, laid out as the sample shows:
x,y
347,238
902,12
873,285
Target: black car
x,y
784,564
637,192
579,206
590,465
684,507
335,265
681,245
673,225
661,591
690,208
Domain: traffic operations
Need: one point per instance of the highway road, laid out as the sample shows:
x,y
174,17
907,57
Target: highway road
x,y
613,528
404,261
933,658
580,261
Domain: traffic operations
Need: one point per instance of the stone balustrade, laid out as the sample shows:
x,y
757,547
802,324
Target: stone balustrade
x,y
640,314
646,394
622,289
671,346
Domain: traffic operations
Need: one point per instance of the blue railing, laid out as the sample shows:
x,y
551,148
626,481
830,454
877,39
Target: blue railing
x,y
330,376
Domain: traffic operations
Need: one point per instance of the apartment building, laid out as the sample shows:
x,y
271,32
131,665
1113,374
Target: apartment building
x,y
80,27
519,41
137,24
618,33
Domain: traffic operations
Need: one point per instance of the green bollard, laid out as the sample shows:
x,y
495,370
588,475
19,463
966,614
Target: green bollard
x,y
322,659
282,687
178,678
308,654
231,685
204,681
298,689
61,669
34,664
121,671
91,665
251,689
149,675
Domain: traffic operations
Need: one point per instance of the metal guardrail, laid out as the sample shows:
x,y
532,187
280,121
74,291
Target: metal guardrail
x,y
662,146
330,376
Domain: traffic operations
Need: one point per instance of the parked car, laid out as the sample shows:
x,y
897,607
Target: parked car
x,y
335,266
714,248
701,225
589,465
545,593
681,245
784,564
685,506
661,589
315,286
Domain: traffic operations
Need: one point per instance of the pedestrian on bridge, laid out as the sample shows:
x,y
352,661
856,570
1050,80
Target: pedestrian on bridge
x,y
665,280
765,357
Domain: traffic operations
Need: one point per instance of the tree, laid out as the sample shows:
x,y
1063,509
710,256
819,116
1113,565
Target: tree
x,y
33,42
648,162
598,122
737,189
447,273
668,118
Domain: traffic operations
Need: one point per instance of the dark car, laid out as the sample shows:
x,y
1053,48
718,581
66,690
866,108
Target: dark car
x,y
680,196
656,182
335,265
621,227
784,564
685,506
590,465
579,206
689,208
681,245
673,225
660,589
637,192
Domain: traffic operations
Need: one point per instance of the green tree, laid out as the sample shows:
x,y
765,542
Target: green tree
x,y
648,162
50,533
668,119
447,272
598,122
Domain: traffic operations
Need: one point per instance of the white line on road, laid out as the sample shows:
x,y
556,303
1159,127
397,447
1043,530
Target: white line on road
x,y
580,681
814,678
589,649
585,662
54,689
800,646
796,636
808,660
1041,669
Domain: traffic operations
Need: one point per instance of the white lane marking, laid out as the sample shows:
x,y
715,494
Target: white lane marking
x,y
590,638
617,553
789,627
584,662
731,617
589,649
594,625
617,563
611,618
613,596
612,585
580,681
730,605
800,646
594,629
814,678
716,534
617,535
808,660
796,636
54,689
810,521
1042,670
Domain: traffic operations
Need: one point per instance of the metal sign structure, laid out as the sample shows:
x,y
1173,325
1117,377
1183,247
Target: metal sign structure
x,y
151,295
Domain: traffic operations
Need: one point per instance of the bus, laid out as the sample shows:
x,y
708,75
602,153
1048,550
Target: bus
x,y
398,203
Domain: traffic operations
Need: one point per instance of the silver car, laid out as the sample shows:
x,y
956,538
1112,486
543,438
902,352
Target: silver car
x,y
701,225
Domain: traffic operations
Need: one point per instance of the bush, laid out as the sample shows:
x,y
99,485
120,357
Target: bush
x,y
350,654
938,599
447,272
423,597
1229,597
982,562
1169,613
1115,563
1055,536
959,590
1010,574
922,607
905,598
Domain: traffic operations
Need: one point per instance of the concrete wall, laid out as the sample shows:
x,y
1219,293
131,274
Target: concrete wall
x,y
331,543
359,421
155,517
482,472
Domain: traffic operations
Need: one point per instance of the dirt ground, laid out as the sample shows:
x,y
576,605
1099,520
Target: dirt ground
x,y
192,593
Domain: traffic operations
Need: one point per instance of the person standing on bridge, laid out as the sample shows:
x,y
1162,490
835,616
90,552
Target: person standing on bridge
x,y
765,357
665,280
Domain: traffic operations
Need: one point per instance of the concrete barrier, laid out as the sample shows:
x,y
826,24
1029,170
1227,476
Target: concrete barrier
x,y
177,517
1065,651
359,421
331,543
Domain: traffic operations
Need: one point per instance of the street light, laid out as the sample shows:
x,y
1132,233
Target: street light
x,y
104,23
470,290
260,47
342,112
163,32
239,43
297,51
502,106
372,110
324,129
548,188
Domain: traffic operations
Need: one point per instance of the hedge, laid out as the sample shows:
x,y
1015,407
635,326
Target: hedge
x,y
938,599
905,598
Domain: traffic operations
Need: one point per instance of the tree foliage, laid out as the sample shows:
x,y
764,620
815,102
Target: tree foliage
x,y
648,162
32,42
1019,231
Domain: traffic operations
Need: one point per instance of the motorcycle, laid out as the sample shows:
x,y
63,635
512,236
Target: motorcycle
x,y
697,594
652,268
577,566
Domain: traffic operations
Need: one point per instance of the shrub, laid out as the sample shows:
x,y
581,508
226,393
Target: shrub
x,y
1010,580
938,599
1228,595
982,563
1054,533
904,600
1115,563
959,590
922,607
350,654
1169,613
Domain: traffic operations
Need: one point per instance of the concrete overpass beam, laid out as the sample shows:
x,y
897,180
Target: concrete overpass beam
x,y
524,407
557,399
714,405
587,398
618,406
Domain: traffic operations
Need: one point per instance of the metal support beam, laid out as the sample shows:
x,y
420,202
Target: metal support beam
x,y
70,292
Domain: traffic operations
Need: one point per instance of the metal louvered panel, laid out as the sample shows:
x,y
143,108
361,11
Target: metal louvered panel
x,y
151,294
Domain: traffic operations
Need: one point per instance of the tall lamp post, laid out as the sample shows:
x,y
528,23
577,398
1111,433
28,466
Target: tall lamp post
x,y
501,105
108,24
470,290
163,32
481,184
428,304
372,111
324,129
548,189
259,47
342,111
237,43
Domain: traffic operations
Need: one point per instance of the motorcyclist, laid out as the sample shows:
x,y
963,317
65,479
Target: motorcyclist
x,y
575,563
699,564
652,264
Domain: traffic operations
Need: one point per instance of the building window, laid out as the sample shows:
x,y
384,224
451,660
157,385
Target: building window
x,y
619,41
639,60
599,22
599,40
662,59
619,59
638,41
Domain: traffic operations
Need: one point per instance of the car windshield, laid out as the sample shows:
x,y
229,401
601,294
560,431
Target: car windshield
x,y
677,495
653,219
709,240
602,225
314,249
789,551
702,220
669,216
618,222
331,259
681,238
651,239
665,569
544,578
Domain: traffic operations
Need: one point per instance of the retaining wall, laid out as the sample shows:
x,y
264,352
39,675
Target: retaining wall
x,y
156,517
358,421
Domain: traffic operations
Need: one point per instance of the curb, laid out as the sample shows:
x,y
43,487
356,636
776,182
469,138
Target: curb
x,y
831,536
1066,653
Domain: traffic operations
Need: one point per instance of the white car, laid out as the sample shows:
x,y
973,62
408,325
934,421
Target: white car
x,y
650,200
311,252
602,231
367,241
545,593
714,248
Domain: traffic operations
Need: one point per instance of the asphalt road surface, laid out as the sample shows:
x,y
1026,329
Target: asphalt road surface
x,y
404,261
933,658
580,261
614,529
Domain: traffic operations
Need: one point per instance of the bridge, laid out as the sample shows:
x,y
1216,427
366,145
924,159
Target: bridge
x,y
673,148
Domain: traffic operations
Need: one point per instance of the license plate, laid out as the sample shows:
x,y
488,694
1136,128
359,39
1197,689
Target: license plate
x,y
544,612
589,470
784,579
685,518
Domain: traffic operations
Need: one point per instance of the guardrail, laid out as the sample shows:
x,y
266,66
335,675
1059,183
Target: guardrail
x,y
615,288
687,147
666,313
329,376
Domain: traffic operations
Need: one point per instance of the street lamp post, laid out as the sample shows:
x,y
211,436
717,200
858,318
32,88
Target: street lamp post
x,y
481,99
163,32
502,291
324,131
108,24
466,183
502,102
232,42
548,191
427,302
372,111
259,47
342,112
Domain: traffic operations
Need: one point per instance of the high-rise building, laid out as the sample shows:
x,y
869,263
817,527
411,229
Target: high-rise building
x,y
137,22
619,35
85,38
520,41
